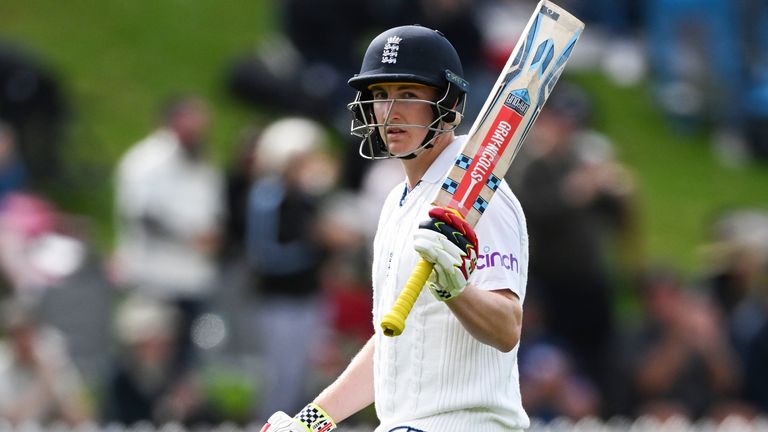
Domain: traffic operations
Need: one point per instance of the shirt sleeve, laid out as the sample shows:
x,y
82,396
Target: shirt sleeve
x,y
502,256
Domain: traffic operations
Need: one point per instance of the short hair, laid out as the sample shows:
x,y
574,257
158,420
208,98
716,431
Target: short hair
x,y
178,104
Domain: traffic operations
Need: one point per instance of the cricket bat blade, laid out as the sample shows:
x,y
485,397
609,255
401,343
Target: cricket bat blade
x,y
514,103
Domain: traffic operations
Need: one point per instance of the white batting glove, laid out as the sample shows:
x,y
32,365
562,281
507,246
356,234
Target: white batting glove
x,y
282,422
450,243
310,419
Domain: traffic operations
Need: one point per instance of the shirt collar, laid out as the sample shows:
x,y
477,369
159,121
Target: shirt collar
x,y
439,168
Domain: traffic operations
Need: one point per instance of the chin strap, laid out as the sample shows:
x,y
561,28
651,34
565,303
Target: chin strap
x,y
428,143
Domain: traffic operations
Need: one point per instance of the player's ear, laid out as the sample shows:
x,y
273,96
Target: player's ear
x,y
449,106
451,116
455,118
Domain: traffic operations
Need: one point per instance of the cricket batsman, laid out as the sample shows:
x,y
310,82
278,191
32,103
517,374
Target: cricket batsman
x,y
455,367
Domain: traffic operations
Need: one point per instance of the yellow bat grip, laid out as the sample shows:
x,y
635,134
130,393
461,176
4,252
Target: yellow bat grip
x,y
393,323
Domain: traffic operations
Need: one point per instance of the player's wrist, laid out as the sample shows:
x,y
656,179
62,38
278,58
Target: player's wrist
x,y
315,419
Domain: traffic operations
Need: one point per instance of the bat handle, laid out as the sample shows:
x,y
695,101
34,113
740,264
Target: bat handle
x,y
393,323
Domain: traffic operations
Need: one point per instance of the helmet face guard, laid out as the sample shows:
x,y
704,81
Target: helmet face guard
x,y
407,54
374,145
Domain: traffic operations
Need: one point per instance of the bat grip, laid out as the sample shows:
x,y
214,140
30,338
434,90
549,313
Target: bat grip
x,y
393,323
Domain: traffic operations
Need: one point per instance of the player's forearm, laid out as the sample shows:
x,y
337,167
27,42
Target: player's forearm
x,y
353,389
494,318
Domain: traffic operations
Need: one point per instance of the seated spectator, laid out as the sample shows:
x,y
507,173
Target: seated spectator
x,y
736,262
38,381
145,384
736,279
39,245
684,363
551,386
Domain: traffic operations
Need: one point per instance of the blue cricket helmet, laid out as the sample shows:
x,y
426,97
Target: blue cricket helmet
x,y
408,54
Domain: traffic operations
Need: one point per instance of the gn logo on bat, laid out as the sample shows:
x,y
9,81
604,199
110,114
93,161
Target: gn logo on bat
x,y
518,100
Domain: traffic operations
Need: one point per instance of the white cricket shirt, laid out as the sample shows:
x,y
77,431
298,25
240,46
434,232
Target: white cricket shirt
x,y
435,376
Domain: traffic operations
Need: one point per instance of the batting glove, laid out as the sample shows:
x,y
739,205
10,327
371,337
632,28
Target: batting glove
x,y
450,243
311,419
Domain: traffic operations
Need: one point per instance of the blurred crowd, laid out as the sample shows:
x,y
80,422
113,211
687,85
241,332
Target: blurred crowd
x,y
236,291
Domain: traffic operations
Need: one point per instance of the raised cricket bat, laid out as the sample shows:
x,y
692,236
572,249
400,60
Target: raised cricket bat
x,y
515,101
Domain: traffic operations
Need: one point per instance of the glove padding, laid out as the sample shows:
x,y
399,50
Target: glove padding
x,y
311,419
450,243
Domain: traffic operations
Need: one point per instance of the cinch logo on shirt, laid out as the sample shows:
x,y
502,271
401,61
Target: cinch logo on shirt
x,y
492,259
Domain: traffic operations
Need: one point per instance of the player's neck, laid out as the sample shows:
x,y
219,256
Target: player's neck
x,y
416,168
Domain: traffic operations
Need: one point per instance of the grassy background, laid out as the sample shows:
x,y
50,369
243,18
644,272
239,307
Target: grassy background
x,y
682,184
118,59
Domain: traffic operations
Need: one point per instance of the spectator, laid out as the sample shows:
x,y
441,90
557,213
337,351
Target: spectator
x,y
551,388
736,266
32,101
551,384
144,384
169,203
683,361
578,199
285,248
736,281
38,381
39,246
